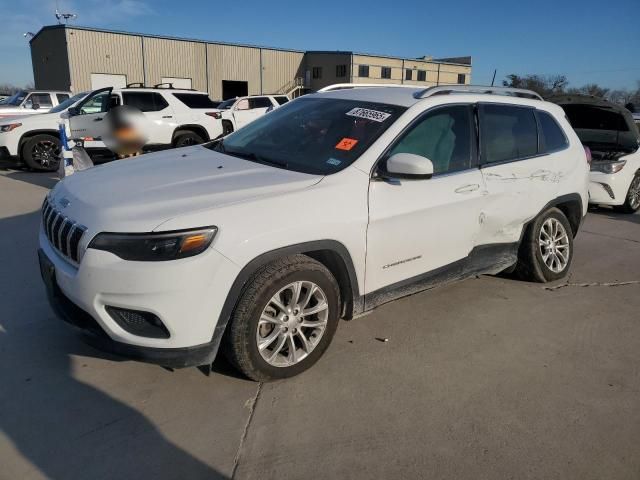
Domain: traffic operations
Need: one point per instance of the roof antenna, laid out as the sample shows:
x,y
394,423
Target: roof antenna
x,y
64,17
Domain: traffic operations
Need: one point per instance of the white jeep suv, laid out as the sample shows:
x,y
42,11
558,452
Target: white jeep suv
x,y
177,118
324,209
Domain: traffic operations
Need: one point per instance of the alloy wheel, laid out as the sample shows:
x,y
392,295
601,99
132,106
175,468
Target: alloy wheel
x,y
554,245
634,193
45,153
292,324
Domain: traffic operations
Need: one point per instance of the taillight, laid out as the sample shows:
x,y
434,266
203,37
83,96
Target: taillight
x,y
587,152
216,115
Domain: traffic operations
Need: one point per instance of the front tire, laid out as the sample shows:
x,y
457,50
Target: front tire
x,y
285,319
632,200
546,250
42,152
186,139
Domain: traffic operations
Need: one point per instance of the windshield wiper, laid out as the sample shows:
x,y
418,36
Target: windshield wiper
x,y
258,158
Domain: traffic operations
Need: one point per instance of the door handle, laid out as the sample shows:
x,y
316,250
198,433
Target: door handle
x,y
97,119
167,116
472,187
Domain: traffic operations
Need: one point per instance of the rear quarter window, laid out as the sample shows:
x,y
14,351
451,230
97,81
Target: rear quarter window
x,y
281,100
552,136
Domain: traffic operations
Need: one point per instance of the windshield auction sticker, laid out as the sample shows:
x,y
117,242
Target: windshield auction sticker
x,y
374,115
346,144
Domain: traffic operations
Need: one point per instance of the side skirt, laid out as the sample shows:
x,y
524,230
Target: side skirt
x,y
484,259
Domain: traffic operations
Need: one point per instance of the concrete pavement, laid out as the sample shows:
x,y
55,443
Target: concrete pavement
x,y
490,378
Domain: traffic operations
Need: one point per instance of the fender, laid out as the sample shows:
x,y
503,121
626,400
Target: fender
x,y
252,267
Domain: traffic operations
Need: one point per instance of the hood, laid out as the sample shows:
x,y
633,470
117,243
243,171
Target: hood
x,y
138,195
600,124
48,118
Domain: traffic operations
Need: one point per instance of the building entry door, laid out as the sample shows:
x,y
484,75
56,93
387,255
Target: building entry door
x,y
233,89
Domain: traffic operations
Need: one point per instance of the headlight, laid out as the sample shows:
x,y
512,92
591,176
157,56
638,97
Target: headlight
x,y
155,247
9,126
608,167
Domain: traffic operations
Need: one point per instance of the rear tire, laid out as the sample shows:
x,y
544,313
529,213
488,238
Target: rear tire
x,y
546,250
270,336
186,138
632,200
42,152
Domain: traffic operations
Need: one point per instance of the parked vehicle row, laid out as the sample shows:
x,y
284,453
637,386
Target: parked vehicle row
x,y
177,118
334,204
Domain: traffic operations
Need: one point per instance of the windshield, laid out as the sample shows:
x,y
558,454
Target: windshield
x,y
227,104
15,99
312,135
68,102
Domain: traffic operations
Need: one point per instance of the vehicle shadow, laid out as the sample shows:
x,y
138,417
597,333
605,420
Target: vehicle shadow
x,y
40,179
62,426
613,215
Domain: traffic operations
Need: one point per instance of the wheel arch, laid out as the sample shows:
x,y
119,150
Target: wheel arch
x,y
32,133
193,128
331,253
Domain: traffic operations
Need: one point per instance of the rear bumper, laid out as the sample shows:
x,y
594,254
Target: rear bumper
x,y
95,335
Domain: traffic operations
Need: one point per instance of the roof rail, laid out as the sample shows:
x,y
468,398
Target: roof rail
x,y
507,91
135,85
163,85
344,86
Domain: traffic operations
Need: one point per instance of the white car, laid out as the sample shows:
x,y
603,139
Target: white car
x,y
29,102
612,135
177,118
238,112
324,209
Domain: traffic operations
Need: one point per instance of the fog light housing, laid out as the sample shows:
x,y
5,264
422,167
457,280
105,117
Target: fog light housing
x,y
142,324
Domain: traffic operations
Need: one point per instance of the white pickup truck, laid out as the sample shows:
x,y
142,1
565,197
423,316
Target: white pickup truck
x,y
29,102
238,112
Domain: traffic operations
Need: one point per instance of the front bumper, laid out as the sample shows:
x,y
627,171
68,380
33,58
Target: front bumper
x,y
186,295
608,189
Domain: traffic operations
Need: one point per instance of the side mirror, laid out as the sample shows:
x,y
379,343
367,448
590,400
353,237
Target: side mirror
x,y
35,106
73,111
408,166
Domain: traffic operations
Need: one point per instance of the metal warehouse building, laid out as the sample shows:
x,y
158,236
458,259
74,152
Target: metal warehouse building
x,y
75,58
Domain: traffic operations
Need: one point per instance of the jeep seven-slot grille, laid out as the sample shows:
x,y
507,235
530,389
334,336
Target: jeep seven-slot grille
x,y
63,233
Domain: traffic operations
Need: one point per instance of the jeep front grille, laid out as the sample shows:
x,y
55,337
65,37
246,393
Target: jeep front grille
x,y
63,233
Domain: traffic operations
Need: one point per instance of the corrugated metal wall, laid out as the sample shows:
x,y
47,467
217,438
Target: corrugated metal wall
x,y
227,62
174,58
207,64
101,52
280,68
50,61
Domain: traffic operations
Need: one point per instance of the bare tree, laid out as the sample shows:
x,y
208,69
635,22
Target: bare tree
x,y
545,85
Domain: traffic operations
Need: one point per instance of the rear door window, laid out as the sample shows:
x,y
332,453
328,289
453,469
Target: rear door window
x,y
145,101
507,133
260,102
281,100
552,138
195,100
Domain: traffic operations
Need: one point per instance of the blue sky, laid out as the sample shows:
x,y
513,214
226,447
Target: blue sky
x,y
587,40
